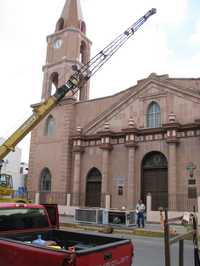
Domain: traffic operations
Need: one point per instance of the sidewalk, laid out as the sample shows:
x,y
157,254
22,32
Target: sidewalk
x,y
151,230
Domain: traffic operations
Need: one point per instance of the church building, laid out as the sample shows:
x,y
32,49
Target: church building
x,y
113,151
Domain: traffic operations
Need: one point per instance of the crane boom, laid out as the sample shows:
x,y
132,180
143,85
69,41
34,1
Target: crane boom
x,y
75,82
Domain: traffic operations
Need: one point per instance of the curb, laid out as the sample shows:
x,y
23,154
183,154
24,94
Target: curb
x,y
129,231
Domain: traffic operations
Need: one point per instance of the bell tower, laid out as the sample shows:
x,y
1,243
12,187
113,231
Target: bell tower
x,y
50,170
66,47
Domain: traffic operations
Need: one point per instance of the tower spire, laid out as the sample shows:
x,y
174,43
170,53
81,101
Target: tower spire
x,y
71,16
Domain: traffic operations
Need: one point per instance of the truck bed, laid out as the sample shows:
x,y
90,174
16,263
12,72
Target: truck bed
x,y
90,249
65,239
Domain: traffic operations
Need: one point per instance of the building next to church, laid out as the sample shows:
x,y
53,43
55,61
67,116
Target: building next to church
x,y
114,150
11,166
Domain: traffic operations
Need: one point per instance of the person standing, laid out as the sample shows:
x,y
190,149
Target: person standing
x,y
140,209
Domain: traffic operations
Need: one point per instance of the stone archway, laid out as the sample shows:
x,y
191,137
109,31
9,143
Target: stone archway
x,y
93,188
155,179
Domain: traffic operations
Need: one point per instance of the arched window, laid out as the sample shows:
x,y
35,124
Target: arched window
x,y
83,58
45,180
153,115
83,27
49,126
60,24
53,83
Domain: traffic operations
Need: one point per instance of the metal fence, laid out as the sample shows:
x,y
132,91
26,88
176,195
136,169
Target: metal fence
x,y
77,199
48,197
80,199
175,202
178,202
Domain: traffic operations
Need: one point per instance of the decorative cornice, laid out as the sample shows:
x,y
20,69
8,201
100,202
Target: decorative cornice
x,y
64,60
106,133
64,101
59,33
172,140
78,149
147,131
78,137
67,100
85,137
131,144
197,121
190,126
173,125
170,132
130,130
106,146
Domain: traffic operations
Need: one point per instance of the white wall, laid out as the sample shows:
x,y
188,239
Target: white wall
x,y
11,166
23,172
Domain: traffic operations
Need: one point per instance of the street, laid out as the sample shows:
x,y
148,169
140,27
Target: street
x,y
150,252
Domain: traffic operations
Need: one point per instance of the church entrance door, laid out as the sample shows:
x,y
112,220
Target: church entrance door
x,y
155,179
93,188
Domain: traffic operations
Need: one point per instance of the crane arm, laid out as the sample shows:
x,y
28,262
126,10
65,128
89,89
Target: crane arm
x,y
75,82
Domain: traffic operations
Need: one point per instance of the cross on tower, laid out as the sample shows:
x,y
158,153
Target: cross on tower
x,y
190,167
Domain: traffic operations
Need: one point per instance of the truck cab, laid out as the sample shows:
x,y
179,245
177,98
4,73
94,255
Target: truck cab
x,y
22,216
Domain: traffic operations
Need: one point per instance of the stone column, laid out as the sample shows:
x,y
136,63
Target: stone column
x,y
131,180
68,199
106,147
76,179
78,150
37,198
107,201
131,196
105,165
172,175
149,201
148,206
172,141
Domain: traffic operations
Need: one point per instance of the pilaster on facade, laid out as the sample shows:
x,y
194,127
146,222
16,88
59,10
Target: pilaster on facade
x,y
132,182
172,140
106,148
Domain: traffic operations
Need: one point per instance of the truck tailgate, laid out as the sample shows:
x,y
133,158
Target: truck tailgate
x,y
117,255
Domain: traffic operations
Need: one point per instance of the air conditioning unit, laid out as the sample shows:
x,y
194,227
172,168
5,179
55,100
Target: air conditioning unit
x,y
104,216
122,218
91,215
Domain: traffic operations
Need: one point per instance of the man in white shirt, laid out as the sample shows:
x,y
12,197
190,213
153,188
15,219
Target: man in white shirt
x,y
140,209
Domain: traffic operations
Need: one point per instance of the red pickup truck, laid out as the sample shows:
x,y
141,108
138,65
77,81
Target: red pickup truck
x,y
29,236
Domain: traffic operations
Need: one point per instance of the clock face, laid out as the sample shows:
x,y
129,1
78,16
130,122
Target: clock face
x,y
57,43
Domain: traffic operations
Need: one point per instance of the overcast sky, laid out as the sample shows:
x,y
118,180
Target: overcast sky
x,y
167,43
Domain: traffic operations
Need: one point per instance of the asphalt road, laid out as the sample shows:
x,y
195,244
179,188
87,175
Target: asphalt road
x,y
150,252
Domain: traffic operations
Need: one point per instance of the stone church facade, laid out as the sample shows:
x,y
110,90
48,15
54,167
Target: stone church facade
x,y
112,151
